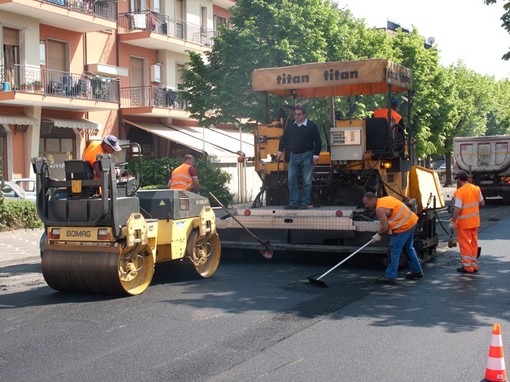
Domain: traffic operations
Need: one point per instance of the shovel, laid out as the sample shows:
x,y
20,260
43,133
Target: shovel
x,y
318,282
267,248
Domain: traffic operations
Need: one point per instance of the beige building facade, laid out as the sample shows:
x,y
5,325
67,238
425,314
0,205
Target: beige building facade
x,y
72,71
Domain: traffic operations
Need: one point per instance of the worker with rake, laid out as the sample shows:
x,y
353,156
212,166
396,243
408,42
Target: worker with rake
x,y
399,221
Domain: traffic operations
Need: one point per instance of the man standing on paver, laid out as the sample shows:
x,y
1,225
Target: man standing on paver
x,y
302,139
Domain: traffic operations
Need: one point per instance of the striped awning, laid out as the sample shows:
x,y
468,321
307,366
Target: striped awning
x,y
177,136
75,123
16,120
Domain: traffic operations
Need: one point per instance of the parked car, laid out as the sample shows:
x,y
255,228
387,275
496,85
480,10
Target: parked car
x,y
27,184
12,191
435,165
443,168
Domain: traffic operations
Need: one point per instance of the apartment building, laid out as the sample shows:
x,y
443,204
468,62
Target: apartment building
x,y
72,71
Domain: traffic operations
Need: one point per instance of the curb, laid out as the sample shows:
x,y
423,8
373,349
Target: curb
x,y
20,261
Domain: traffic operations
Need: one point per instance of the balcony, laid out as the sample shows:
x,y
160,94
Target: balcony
x,y
28,85
157,31
226,4
76,15
153,101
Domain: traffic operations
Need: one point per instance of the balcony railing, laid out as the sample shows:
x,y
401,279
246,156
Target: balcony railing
x,y
165,25
106,9
33,79
157,96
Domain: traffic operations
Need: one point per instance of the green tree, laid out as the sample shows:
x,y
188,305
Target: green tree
x,y
499,116
265,34
282,33
505,18
407,48
447,102
469,107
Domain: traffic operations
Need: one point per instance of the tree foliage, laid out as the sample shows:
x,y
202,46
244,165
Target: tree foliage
x,y
446,101
264,34
505,18
498,121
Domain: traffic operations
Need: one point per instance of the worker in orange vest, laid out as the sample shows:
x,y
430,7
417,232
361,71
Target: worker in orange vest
x,y
108,145
467,201
396,219
185,176
396,118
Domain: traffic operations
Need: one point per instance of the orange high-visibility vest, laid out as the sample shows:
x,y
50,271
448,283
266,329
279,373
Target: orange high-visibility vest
x,y
91,152
402,218
181,179
469,216
383,113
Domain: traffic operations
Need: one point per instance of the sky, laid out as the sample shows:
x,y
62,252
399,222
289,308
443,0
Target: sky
x,y
466,30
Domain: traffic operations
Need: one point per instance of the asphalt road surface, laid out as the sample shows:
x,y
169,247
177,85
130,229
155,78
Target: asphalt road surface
x,y
260,320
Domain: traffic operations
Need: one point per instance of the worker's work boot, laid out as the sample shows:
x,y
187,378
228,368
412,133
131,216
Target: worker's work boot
x,y
464,270
414,275
385,280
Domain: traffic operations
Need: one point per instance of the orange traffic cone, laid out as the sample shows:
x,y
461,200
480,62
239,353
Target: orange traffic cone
x,y
495,370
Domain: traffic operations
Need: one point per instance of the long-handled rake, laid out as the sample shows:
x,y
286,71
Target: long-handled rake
x,y
318,282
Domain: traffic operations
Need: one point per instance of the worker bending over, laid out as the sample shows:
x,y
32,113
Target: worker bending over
x,y
396,219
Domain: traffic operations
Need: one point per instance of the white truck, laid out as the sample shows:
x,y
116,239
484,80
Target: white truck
x,y
487,162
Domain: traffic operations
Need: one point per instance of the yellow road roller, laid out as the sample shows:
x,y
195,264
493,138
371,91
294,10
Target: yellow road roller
x,y
105,235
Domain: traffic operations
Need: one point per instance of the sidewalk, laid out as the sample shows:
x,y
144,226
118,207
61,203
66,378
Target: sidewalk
x,y
20,247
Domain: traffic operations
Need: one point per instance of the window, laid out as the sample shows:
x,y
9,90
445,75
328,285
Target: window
x,y
11,54
203,19
218,20
138,90
57,145
3,152
57,63
137,5
58,53
180,103
180,18
155,6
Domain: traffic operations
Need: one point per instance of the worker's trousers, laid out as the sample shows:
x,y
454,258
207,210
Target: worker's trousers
x,y
468,245
300,164
403,240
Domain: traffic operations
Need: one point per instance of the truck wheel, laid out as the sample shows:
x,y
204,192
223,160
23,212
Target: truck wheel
x,y
204,253
506,198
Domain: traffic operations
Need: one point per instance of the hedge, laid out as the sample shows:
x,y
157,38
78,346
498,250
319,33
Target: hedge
x,y
18,214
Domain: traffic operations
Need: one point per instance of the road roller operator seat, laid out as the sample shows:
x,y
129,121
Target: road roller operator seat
x,y
78,169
